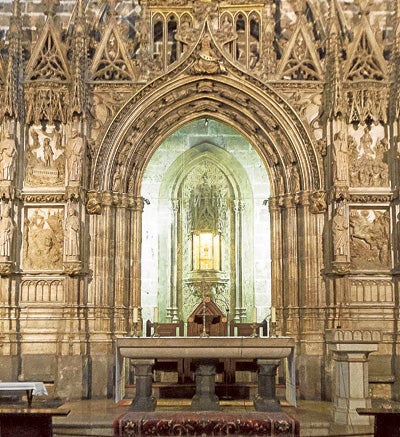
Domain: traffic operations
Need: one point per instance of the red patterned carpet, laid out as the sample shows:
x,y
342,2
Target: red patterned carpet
x,y
207,423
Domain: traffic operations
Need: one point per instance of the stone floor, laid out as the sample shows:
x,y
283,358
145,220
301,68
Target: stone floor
x,y
95,417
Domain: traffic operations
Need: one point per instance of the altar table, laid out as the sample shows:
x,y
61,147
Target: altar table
x,y
31,388
28,422
387,420
206,351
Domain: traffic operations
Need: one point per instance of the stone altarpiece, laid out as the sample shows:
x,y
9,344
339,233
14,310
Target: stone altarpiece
x,y
87,97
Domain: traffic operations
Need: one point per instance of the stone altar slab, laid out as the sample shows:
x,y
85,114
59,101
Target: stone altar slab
x,y
264,349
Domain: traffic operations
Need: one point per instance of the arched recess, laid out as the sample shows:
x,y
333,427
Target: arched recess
x,y
270,125
206,163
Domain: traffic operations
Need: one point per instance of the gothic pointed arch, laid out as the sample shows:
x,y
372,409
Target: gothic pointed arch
x,y
205,84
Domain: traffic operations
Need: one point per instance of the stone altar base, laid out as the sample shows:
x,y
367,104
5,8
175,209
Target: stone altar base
x,y
209,423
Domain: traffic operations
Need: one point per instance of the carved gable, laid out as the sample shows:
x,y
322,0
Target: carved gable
x,y
111,61
300,60
48,60
365,58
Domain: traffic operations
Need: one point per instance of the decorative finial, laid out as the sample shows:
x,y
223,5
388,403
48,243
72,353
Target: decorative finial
x,y
50,7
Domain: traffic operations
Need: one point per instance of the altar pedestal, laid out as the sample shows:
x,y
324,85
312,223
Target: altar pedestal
x,y
205,398
143,401
266,396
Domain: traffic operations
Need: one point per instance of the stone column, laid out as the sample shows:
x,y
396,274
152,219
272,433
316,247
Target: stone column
x,y
350,355
290,320
205,398
143,400
275,210
239,310
266,396
172,310
136,251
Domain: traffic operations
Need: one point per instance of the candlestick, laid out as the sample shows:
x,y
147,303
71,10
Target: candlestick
x,y
255,315
155,315
273,314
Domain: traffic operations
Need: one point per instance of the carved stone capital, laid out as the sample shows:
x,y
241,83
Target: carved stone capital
x,y
318,203
73,268
93,204
340,267
6,267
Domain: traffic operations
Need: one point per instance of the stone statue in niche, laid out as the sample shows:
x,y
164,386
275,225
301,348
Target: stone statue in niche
x,y
43,239
369,239
340,161
8,153
203,206
6,233
74,151
72,227
45,157
340,227
294,178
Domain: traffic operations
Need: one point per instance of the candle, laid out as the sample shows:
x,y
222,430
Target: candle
x,y
255,315
155,315
273,315
135,314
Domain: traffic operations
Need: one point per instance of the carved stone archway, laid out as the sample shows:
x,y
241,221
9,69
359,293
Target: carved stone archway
x,y
270,124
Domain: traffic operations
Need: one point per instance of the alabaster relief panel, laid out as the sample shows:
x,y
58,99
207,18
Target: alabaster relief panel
x,y
42,291
368,157
45,156
43,239
365,291
369,239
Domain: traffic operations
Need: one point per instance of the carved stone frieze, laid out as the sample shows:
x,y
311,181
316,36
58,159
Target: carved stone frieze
x,y
45,156
96,200
43,238
368,198
43,198
369,239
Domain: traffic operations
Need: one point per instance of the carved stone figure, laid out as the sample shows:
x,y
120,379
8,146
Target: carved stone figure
x,y
366,143
340,161
369,234
72,227
208,62
340,228
47,153
6,232
74,157
43,248
8,153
